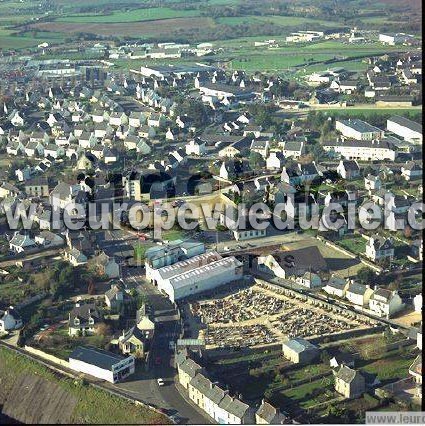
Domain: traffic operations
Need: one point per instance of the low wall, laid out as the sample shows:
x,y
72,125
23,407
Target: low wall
x,y
224,353
47,356
345,335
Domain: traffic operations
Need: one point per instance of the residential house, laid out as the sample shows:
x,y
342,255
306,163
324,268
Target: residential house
x,y
336,286
49,239
197,388
54,151
116,297
275,160
8,190
106,265
196,146
358,294
75,256
20,243
348,169
232,411
349,382
34,149
261,146
240,147
156,120
379,248
212,397
132,342
309,280
37,187
10,320
385,303
372,183
83,319
87,140
411,171
267,414
298,174
187,369
294,149
299,351
118,119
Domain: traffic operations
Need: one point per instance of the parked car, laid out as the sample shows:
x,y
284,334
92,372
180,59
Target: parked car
x,y
160,382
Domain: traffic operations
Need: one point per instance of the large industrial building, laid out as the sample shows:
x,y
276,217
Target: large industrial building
x,y
196,275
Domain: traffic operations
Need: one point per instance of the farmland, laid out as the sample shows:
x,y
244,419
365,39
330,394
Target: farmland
x,y
200,21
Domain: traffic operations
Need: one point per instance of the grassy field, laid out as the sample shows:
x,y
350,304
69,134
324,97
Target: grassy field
x,y
138,15
390,368
14,292
94,406
356,245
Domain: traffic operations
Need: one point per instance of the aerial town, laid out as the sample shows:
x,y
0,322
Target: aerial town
x,y
211,212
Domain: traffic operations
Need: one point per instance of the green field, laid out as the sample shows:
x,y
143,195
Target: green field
x,y
137,15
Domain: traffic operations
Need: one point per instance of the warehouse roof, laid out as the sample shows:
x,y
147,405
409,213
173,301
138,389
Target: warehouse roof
x,y
95,356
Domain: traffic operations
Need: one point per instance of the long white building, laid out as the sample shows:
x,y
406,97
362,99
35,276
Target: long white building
x,y
358,129
197,274
101,364
363,150
407,129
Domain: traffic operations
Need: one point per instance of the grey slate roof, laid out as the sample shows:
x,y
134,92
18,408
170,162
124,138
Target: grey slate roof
x,y
405,122
346,374
299,345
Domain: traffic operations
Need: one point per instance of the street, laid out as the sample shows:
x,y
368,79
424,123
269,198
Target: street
x,y
143,384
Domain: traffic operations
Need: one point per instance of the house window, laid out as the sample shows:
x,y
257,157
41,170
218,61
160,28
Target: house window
x,y
76,321
91,321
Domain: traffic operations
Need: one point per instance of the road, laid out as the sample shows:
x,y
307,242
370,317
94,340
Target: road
x,y
144,384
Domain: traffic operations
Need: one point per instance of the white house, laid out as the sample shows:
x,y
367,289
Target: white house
x,y
309,280
411,171
385,303
10,320
378,248
348,169
372,183
336,286
196,147
358,294
101,364
275,160
417,302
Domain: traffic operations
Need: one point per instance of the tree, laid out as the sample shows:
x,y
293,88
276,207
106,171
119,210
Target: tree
x,y
366,275
256,161
103,329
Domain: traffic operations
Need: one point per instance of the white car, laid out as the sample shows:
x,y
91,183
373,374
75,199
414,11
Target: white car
x,y
160,382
